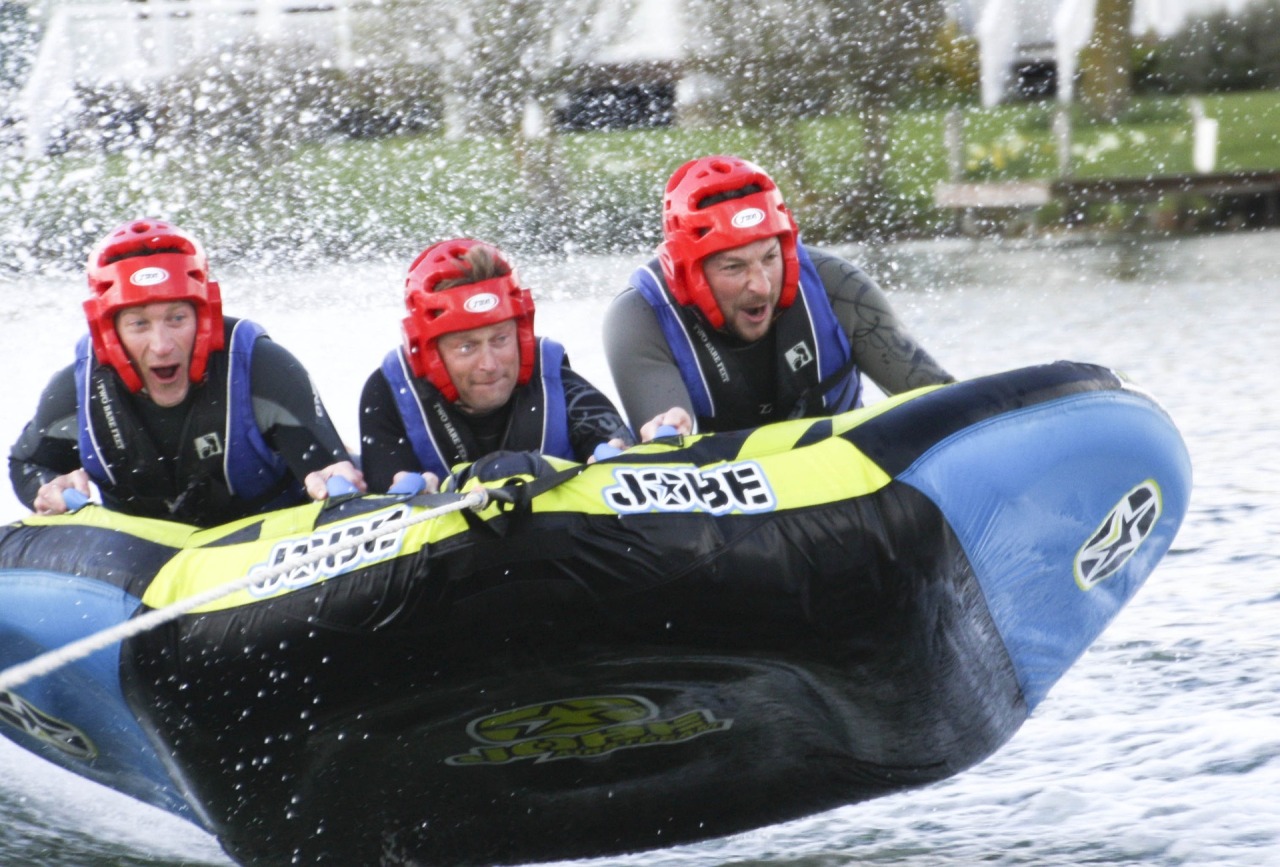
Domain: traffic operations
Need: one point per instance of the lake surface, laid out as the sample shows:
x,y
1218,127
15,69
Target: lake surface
x,y
1160,747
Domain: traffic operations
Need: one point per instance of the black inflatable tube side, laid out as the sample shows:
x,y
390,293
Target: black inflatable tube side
x,y
848,646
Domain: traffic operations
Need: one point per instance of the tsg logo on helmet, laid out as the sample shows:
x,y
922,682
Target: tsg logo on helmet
x,y
747,218
481,303
149,277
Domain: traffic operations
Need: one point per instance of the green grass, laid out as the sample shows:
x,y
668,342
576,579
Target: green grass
x,y
373,198
1249,130
1154,138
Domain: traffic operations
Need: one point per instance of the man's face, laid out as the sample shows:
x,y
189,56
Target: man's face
x,y
158,339
746,282
484,364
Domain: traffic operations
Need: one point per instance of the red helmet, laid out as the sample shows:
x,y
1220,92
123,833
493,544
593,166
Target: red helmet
x,y
143,262
435,312
694,231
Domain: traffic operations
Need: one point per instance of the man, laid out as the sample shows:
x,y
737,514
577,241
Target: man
x,y
471,378
737,323
172,410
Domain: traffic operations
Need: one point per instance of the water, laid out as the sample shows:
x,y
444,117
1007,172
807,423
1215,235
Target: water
x,y
1160,747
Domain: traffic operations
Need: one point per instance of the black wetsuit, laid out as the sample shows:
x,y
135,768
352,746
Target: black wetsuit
x,y
286,408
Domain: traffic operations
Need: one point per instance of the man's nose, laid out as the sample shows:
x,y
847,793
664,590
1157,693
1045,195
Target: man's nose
x,y
757,278
162,342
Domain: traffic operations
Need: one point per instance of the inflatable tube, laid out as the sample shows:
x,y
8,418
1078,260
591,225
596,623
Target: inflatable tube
x,y
692,639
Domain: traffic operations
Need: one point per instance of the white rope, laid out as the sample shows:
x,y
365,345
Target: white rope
x,y
16,675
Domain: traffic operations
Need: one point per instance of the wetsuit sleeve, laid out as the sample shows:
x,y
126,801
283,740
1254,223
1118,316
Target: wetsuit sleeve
x,y
593,419
384,443
289,411
49,445
882,347
644,370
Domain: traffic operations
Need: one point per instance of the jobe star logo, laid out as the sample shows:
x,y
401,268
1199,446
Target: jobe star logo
x,y
1127,526
26,717
578,728
742,487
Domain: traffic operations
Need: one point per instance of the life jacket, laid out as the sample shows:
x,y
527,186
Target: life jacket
x,y
815,373
225,469
440,435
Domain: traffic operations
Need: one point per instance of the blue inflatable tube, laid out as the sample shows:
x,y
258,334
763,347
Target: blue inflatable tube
x,y
691,638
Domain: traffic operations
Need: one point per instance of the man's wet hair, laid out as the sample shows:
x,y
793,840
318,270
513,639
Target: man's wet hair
x,y
479,264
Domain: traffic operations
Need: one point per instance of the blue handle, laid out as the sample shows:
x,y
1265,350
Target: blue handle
x,y
665,430
604,451
74,500
412,484
338,486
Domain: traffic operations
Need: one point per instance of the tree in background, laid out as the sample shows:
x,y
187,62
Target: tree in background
x,y
770,66
18,41
952,73
504,64
1220,51
749,66
1106,64
878,48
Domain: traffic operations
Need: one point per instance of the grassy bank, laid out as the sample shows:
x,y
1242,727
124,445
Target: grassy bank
x,y
362,199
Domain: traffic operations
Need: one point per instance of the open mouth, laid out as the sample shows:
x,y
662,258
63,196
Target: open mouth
x,y
168,373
